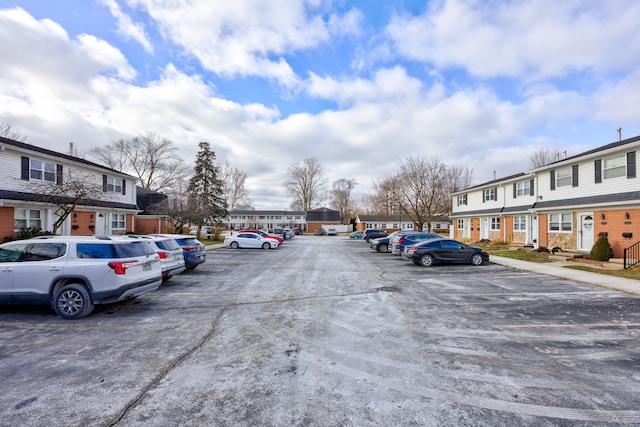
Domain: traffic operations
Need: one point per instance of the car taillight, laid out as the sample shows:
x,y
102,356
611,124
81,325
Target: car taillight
x,y
402,240
162,255
411,250
189,248
120,267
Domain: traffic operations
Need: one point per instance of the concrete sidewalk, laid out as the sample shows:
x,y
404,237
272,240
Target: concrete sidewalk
x,y
558,269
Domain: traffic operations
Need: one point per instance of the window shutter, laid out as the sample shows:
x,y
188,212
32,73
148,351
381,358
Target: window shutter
x,y
104,183
124,186
552,179
574,175
59,174
514,190
598,170
484,195
531,183
631,164
495,193
24,173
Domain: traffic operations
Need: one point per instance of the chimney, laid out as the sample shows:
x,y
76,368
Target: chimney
x,y
619,134
71,149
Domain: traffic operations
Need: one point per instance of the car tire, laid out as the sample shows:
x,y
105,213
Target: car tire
x,y
266,245
383,249
476,259
426,260
72,301
234,245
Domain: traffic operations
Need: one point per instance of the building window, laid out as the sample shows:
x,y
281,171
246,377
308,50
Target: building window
x,y
27,218
114,185
489,194
462,199
523,188
563,177
460,223
495,223
519,223
614,167
44,171
560,222
118,222
409,226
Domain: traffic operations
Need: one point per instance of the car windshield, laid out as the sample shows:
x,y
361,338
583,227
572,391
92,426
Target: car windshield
x,y
168,245
186,241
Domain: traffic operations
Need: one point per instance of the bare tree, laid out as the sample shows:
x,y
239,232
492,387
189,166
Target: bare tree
x,y
233,188
341,198
543,156
423,193
306,184
8,131
67,192
384,198
149,157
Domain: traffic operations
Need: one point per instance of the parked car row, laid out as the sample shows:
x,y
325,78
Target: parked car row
x,y
74,273
427,249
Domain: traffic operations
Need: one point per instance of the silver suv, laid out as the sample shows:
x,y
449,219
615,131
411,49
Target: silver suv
x,y
74,273
169,251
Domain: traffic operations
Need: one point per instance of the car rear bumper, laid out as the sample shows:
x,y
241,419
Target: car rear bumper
x,y
127,291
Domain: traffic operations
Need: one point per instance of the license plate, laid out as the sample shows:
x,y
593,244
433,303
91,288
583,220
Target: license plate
x,y
146,266
178,256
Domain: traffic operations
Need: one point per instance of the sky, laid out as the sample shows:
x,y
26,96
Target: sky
x,y
359,85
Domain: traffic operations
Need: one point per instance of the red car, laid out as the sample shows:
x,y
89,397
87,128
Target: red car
x,y
263,234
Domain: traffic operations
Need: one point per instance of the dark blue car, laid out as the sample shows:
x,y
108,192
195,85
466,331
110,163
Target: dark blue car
x,y
195,253
447,251
406,239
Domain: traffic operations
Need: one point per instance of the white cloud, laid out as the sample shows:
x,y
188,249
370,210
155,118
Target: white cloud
x,y
127,27
531,39
243,37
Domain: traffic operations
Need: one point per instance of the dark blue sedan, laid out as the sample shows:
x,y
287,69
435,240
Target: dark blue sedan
x,y
447,251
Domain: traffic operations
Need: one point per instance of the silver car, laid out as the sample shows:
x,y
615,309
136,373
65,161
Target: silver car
x,y
75,273
170,253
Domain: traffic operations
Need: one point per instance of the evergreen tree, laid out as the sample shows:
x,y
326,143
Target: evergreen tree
x,y
206,198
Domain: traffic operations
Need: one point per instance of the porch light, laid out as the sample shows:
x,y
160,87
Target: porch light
x,y
626,215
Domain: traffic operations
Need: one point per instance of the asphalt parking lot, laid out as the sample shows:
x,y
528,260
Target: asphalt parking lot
x,y
325,332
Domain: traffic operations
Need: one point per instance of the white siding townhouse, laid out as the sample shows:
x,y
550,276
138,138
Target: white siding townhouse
x,y
565,204
26,168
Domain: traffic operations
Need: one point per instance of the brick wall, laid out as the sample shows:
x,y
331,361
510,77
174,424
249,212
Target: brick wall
x,y
614,223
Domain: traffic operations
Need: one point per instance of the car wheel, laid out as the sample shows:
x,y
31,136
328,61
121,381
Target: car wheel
x,y
234,245
72,301
476,259
266,245
383,249
426,260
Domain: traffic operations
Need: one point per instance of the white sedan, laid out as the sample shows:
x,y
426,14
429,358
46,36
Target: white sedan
x,y
250,240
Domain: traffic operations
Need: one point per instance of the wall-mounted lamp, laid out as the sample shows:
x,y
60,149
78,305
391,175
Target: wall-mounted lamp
x,y
75,215
601,216
626,215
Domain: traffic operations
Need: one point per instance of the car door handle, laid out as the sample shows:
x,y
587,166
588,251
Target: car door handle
x,y
54,268
7,269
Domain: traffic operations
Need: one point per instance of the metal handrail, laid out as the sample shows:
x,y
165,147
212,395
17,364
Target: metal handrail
x,y
632,255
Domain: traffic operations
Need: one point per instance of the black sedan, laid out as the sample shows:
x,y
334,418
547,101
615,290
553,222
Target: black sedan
x,y
444,251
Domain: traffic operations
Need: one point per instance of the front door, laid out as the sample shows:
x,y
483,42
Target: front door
x,y
585,234
484,228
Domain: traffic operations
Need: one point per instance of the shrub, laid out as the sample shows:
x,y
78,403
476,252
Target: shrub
x,y
542,249
26,233
602,250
